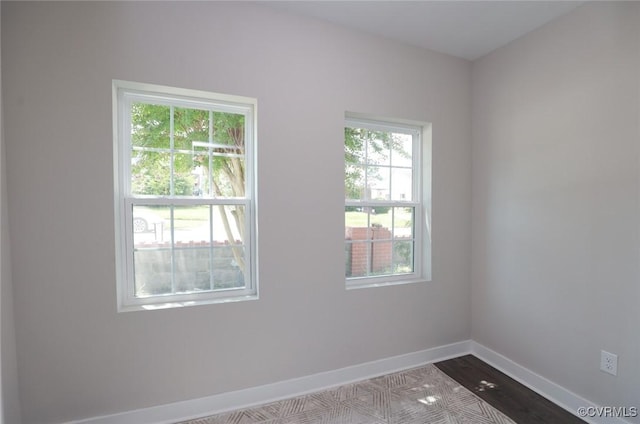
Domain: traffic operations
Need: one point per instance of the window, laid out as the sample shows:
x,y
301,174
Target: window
x,y
184,192
386,204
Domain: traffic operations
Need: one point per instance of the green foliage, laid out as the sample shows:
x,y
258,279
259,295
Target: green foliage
x,y
363,148
403,256
159,185
150,125
358,140
381,209
190,125
151,157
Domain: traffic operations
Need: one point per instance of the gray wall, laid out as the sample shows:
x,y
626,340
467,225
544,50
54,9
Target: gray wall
x,y
9,399
77,356
555,201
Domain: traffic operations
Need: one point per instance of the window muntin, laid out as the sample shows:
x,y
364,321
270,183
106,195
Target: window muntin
x,y
383,203
185,207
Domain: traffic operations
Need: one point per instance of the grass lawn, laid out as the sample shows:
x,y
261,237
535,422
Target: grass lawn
x,y
184,216
185,213
403,216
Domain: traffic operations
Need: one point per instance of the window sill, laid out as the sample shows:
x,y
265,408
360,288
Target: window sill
x,y
371,284
184,304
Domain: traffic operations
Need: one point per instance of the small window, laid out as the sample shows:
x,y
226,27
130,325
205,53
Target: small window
x,y
385,208
185,211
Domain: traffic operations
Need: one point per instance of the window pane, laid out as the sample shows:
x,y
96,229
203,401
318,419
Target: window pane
x,y
358,262
403,223
191,224
228,238
354,145
228,129
381,253
356,216
378,149
192,128
378,182
228,168
152,250
150,126
152,270
150,224
184,178
202,166
354,182
403,257
190,125
218,165
358,234
192,267
215,174
228,223
381,219
226,269
150,173
402,150
191,242
401,184
347,259
228,178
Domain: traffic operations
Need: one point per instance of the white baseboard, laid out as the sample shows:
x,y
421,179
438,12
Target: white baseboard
x,y
191,409
544,387
195,408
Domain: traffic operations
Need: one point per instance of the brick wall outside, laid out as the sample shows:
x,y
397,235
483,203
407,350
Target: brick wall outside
x,y
373,253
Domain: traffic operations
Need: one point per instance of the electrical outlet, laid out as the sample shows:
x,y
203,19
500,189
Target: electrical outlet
x,y
609,362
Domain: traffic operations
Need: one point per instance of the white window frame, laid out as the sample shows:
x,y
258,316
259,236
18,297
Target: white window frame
x,y
421,199
124,94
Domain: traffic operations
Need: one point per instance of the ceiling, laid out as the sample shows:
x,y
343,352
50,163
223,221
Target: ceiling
x,y
466,29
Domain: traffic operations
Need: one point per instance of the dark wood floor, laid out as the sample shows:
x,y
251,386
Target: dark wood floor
x,y
519,403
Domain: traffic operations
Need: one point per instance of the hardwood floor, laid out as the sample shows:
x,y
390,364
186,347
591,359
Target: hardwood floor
x,y
516,401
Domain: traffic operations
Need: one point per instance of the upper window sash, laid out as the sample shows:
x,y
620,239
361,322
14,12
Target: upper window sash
x,y
416,156
128,98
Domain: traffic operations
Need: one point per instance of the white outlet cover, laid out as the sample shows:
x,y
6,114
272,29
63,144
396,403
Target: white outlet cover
x,y
609,362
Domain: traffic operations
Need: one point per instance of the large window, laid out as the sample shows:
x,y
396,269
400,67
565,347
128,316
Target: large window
x,y
385,208
185,212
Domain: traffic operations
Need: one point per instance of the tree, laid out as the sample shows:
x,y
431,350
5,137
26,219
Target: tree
x,y
207,158
363,148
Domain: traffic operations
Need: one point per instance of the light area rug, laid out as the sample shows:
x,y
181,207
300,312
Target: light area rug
x,y
421,395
